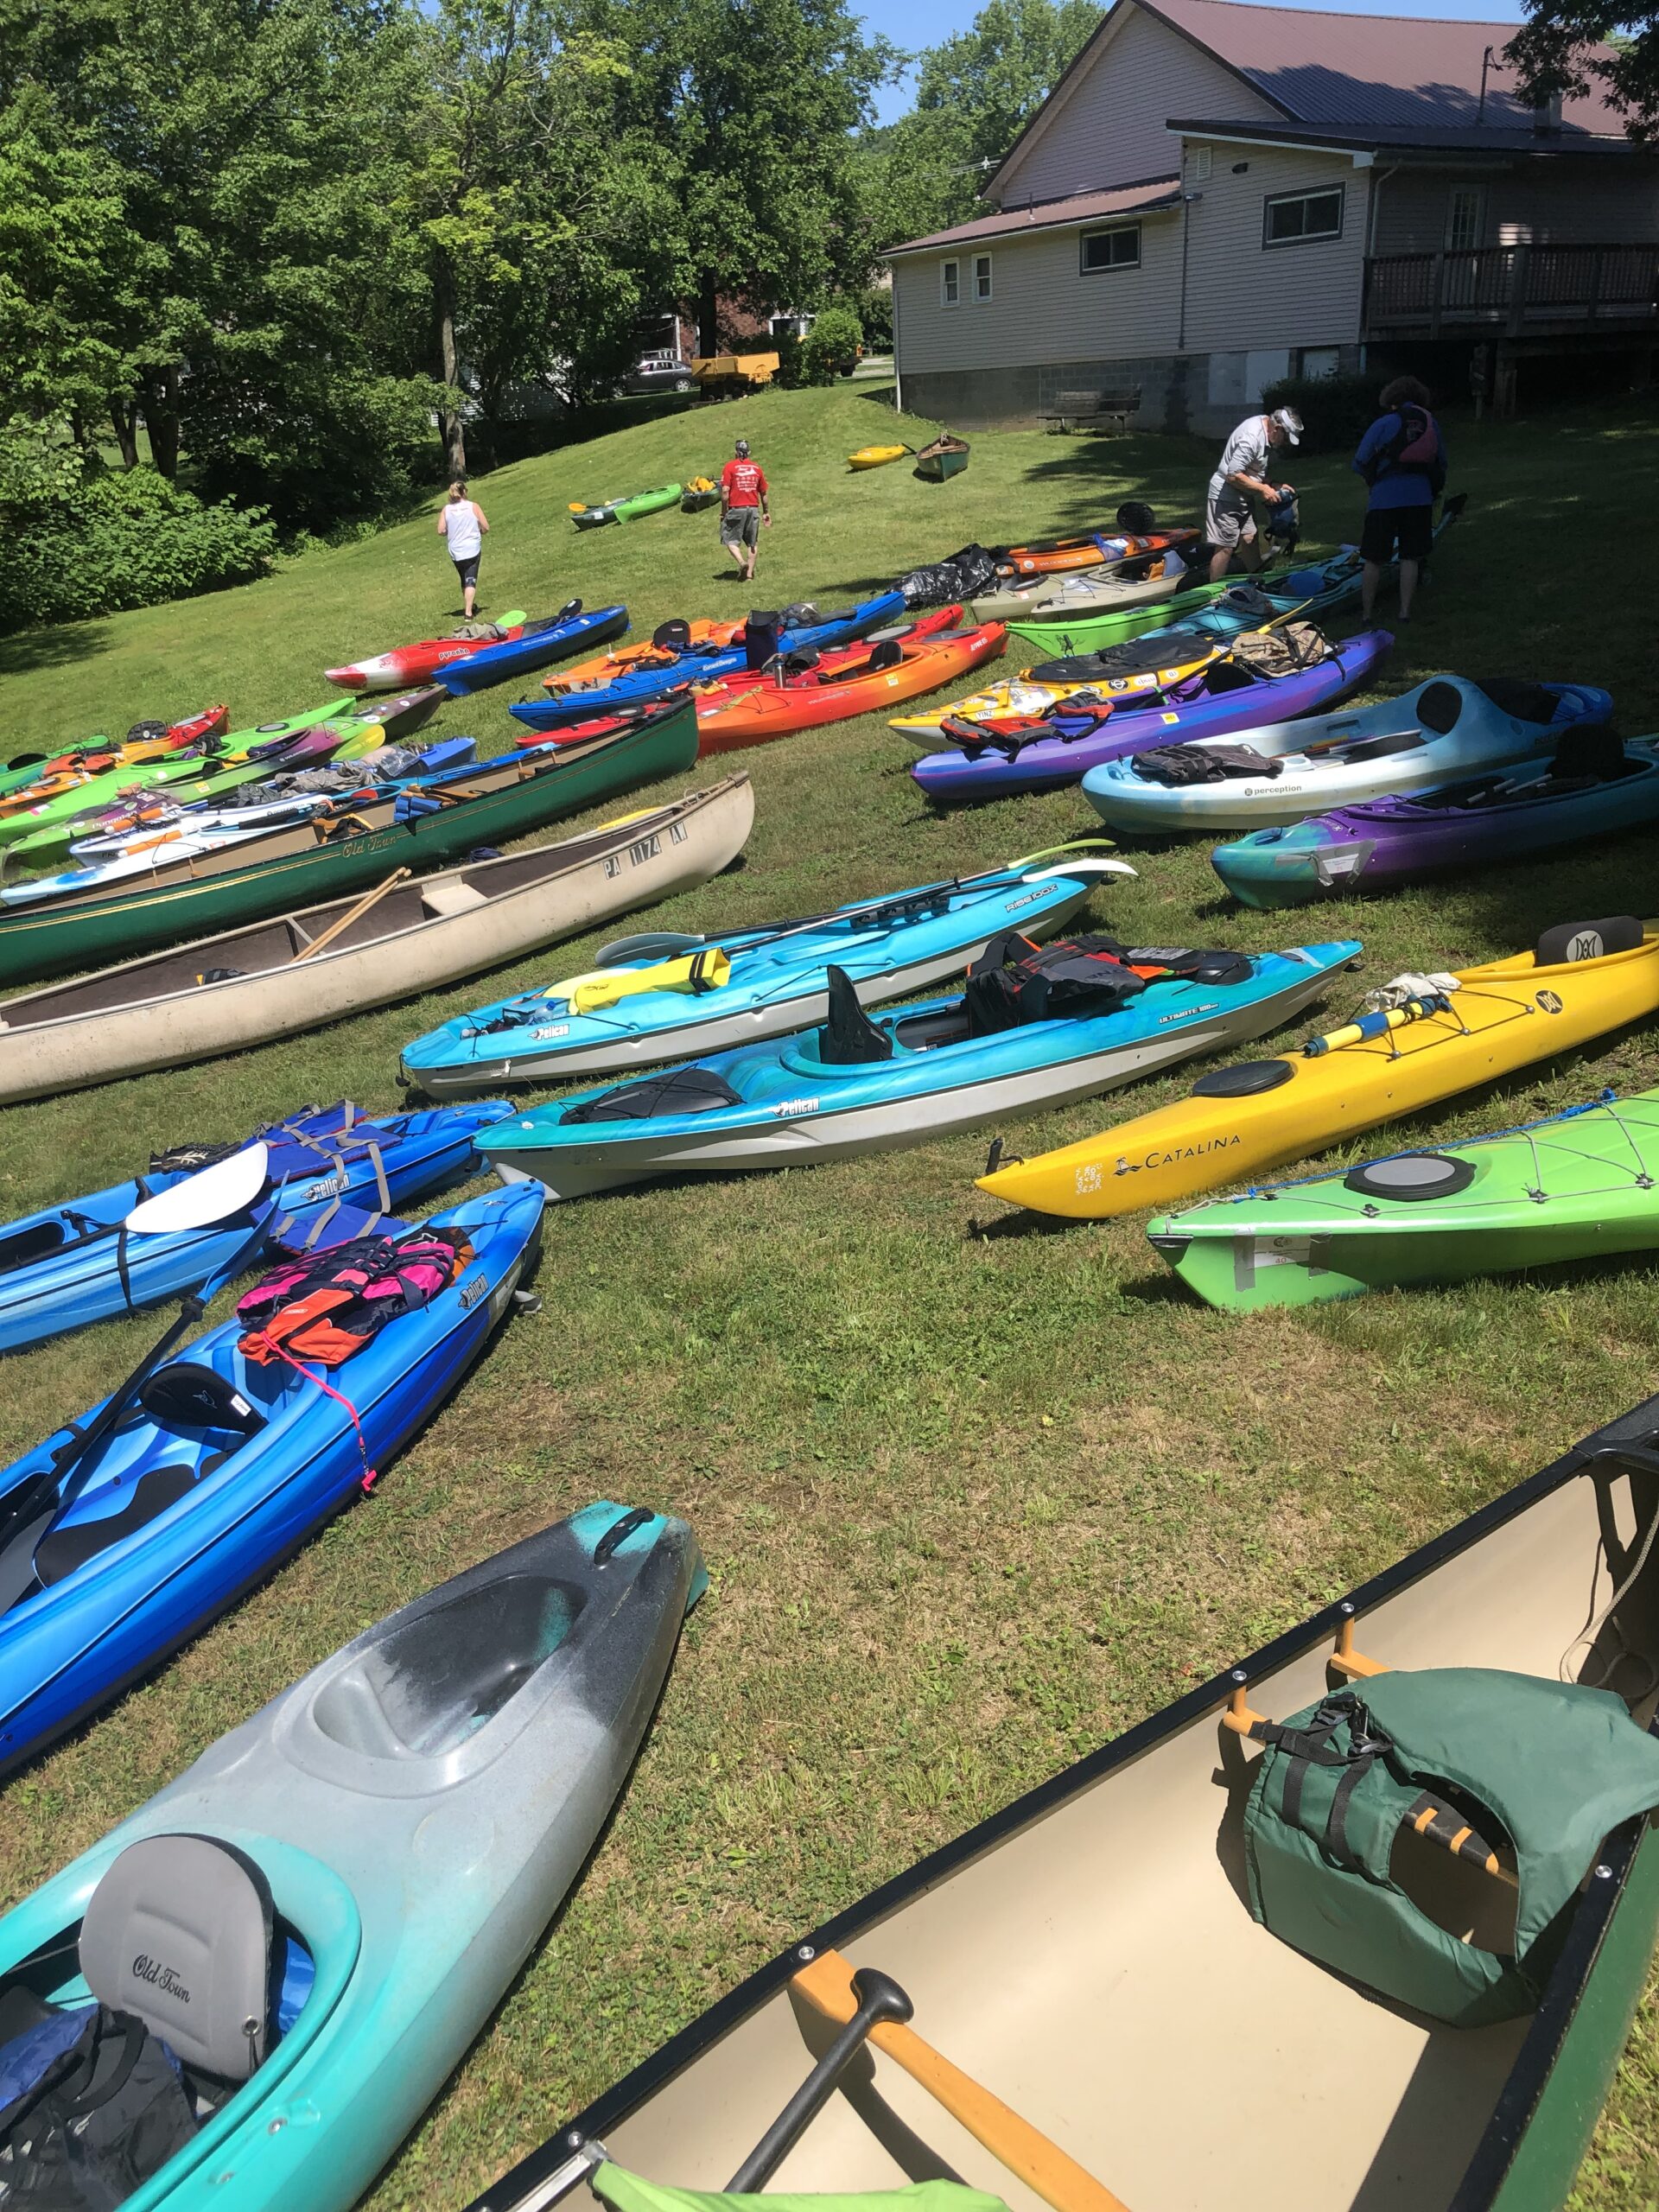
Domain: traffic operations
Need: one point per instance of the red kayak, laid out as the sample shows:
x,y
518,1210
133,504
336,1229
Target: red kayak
x,y
405,666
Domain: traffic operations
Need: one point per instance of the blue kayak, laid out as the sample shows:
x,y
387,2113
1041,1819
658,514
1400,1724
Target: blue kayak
x,y
660,997
553,637
930,1069
71,1264
672,665
218,1468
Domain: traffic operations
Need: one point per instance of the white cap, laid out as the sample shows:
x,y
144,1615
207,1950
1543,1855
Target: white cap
x,y
1289,422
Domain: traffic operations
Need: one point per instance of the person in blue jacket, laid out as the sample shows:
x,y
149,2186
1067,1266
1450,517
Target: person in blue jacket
x,y
1402,458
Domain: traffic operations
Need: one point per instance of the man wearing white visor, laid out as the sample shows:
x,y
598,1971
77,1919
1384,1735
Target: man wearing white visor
x,y
1242,478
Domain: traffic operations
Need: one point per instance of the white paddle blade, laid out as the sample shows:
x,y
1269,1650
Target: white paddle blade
x,y
228,1187
1087,866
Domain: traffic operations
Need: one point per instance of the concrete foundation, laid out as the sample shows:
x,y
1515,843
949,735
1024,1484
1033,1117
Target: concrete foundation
x,y
1202,393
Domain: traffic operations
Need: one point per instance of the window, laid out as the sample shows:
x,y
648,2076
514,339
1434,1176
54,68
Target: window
x,y
1466,218
1319,362
1298,218
981,276
1111,250
1198,164
949,283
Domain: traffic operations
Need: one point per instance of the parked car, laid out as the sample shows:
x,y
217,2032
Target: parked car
x,y
660,373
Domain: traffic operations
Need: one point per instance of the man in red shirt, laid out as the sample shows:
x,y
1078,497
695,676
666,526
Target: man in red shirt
x,y
743,508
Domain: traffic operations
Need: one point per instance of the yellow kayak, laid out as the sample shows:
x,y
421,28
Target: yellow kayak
x,y
1037,692
876,456
1579,982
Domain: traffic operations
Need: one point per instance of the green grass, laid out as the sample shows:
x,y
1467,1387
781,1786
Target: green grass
x,y
971,1504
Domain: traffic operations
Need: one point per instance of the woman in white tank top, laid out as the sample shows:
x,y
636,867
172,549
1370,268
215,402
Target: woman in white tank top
x,y
462,526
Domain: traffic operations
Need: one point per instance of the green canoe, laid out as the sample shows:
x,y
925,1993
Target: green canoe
x,y
1580,1186
628,509
319,860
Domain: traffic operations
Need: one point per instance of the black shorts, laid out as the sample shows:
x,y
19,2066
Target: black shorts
x,y
1412,527
467,571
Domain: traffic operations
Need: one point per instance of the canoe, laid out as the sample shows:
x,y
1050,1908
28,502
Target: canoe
x,y
402,937
417,1806
1576,1185
1442,729
919,1074
624,510
667,664
700,493
946,457
144,741
876,456
1085,1964
776,979
1579,981
536,644
921,657
167,1522
1225,698
1594,787
95,1257
1051,555
508,798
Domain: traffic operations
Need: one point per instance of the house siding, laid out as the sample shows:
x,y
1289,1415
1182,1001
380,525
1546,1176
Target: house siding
x,y
1107,126
1584,207
1241,295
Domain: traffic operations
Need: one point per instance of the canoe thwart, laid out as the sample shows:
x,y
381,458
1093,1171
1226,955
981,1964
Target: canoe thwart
x,y
827,1983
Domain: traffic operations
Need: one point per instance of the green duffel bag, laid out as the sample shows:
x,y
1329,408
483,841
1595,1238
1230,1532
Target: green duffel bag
x,y
1480,1760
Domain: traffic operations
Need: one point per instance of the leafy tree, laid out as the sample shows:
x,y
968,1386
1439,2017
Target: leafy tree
x,y
1553,52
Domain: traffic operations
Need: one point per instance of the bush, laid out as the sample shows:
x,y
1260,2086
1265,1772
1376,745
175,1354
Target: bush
x,y
791,372
831,347
117,541
1336,411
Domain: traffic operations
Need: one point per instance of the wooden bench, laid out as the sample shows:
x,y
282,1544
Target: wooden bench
x,y
1107,410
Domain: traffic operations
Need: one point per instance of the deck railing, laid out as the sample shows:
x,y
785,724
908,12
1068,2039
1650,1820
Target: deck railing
x,y
1512,289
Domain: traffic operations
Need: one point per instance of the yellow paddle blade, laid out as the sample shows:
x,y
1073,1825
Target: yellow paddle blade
x,y
706,969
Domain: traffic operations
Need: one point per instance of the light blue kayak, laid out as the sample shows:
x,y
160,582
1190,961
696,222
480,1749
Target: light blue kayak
x,y
778,979
930,1069
347,1884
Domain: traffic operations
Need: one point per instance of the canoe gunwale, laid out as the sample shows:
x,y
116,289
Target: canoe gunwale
x,y
1629,1442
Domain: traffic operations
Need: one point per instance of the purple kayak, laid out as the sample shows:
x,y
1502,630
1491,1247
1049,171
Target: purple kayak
x,y
1217,703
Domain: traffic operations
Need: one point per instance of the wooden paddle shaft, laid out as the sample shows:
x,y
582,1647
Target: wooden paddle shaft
x,y
352,914
827,1986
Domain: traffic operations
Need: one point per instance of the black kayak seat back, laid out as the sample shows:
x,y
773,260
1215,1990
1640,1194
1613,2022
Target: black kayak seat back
x,y
1413,1178
680,1091
1527,702
1591,751
1382,747
1440,706
849,1038
1224,676
188,1393
146,733
1136,517
673,637
178,1932
1247,1080
1571,941
888,654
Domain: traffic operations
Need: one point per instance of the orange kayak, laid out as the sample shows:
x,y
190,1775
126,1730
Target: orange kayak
x,y
63,772
1049,556
870,677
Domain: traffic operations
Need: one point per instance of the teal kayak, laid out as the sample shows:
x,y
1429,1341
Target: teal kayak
x,y
347,1884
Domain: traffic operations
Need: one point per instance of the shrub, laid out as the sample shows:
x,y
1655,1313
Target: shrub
x,y
117,541
831,347
791,372
1336,411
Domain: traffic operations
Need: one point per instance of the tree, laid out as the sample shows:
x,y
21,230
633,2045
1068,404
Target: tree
x,y
1553,55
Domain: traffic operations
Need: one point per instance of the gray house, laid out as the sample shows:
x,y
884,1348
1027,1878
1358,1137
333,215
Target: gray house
x,y
1217,194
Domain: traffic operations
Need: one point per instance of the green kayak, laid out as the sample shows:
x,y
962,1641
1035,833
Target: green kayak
x,y
1073,628
325,857
628,509
1578,1186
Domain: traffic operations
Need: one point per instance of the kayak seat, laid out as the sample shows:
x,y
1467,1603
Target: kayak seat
x,y
680,1090
672,636
1528,702
1571,941
849,1038
1440,704
1226,676
188,1393
62,1551
1593,751
178,1932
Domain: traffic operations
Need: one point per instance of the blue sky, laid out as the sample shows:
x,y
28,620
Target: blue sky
x,y
914,23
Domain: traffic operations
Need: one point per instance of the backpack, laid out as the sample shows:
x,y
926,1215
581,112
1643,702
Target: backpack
x,y
1414,450
92,2104
1014,981
327,1305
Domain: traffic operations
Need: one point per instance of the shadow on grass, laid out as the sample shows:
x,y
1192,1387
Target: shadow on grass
x,y
32,650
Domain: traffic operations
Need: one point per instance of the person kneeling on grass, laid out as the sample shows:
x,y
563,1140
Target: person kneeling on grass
x,y
743,508
1402,458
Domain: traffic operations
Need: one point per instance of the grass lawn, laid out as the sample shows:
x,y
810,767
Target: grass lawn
x,y
971,1504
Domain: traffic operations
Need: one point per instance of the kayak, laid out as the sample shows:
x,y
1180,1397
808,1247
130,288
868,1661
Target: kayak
x,y
700,493
1152,584
206,1483
740,711
1579,981
659,998
1049,556
1142,670
1593,787
88,1259
876,456
536,644
295,868
675,659
144,741
170,762
1444,728
1100,1930
403,937
860,1085
626,509
1578,1185
414,1808
420,663
1227,698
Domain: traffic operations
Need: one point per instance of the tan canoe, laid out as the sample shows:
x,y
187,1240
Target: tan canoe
x,y
1093,1997
295,972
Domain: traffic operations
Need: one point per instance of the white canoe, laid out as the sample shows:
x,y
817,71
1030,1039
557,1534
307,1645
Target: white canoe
x,y
250,985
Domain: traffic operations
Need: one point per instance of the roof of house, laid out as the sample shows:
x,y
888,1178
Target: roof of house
x,y
1055,214
1404,139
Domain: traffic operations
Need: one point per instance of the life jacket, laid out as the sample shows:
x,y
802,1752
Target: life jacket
x,y
1414,450
1014,981
1182,766
327,1305
1483,1765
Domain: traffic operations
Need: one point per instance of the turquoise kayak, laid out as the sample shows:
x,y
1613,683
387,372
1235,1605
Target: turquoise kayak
x,y
413,1810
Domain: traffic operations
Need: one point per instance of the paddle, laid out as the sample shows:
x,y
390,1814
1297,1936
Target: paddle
x,y
352,914
879,2001
828,1986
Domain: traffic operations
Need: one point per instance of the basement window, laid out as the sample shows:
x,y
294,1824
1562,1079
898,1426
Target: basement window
x,y
1300,218
1104,250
